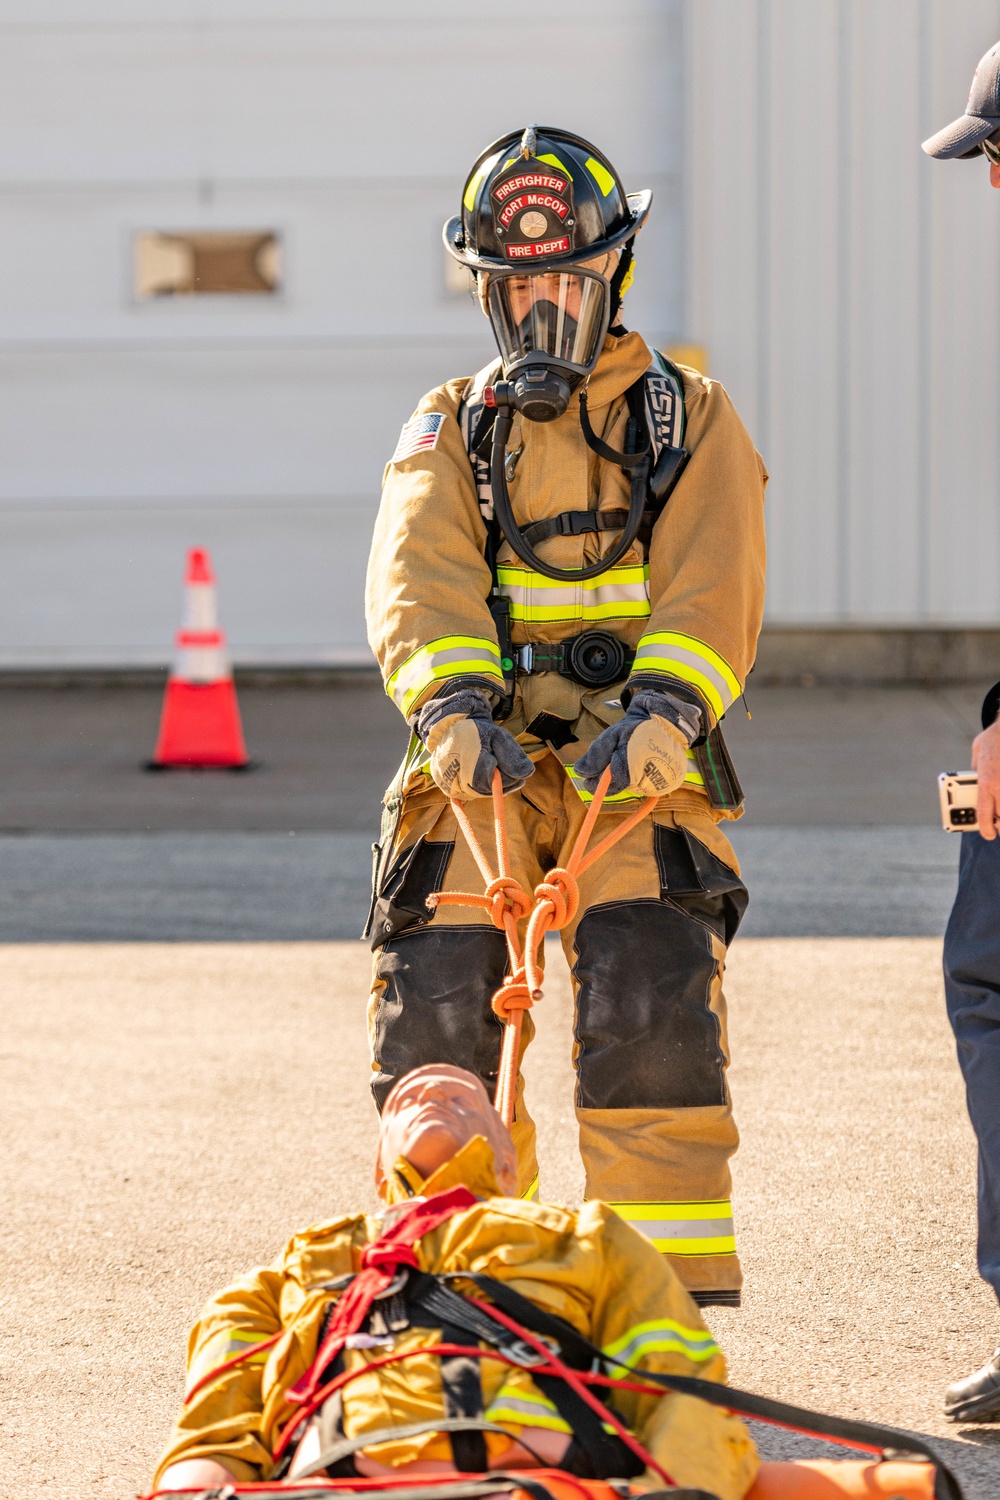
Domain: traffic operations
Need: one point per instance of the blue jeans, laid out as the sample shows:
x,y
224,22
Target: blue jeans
x,y
972,989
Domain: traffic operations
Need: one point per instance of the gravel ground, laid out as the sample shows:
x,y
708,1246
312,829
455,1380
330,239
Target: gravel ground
x,y
173,1112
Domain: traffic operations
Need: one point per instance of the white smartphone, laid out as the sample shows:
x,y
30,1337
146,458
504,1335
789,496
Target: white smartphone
x,y
958,791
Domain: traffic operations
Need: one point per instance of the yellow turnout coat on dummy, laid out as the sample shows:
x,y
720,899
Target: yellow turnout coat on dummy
x,y
587,1267
649,941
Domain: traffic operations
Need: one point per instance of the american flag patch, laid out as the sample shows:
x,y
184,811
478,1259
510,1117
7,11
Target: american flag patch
x,y
419,435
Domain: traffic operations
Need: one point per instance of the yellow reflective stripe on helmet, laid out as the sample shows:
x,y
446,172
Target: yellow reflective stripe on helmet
x,y
683,1228
619,594
472,186
448,656
551,160
692,777
686,657
530,1194
525,1410
601,175
662,1336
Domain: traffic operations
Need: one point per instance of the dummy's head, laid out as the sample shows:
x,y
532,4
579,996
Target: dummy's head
x,y
432,1113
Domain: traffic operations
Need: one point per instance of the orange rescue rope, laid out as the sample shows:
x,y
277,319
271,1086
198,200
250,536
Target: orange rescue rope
x,y
556,902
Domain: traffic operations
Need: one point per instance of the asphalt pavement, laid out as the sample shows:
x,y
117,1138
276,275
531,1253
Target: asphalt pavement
x,y
841,835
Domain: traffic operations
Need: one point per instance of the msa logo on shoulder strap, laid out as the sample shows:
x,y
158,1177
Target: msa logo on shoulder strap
x,y
664,403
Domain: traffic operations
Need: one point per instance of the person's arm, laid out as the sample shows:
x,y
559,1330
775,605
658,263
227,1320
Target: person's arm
x,y
220,1425
706,562
428,580
643,1316
986,764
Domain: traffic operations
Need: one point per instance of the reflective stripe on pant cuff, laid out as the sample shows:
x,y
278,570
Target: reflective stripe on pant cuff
x,y
683,1228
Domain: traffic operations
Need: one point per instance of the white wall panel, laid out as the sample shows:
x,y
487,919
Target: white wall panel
x,y
874,337
260,427
291,579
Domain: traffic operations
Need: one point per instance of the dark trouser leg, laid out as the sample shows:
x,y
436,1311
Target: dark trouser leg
x,y
972,989
434,977
431,1004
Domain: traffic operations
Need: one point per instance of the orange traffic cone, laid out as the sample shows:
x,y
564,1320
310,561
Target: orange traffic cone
x,y
200,723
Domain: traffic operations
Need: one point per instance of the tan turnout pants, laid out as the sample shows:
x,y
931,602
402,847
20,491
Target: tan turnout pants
x,y
646,951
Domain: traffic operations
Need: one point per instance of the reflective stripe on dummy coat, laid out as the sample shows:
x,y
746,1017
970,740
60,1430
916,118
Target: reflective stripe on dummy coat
x,y
448,656
527,1411
683,1228
662,1336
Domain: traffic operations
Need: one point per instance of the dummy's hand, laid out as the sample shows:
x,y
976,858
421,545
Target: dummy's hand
x,y
467,747
646,750
986,763
195,1474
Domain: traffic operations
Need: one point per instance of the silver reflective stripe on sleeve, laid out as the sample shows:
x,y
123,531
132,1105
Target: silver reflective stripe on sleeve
x,y
449,656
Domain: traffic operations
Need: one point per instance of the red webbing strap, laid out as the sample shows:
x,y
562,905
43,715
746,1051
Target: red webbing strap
x,y
380,1261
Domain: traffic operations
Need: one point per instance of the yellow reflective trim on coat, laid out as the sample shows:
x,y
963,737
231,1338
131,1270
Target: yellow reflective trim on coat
x,y
692,777
691,660
239,1339
525,1411
704,1228
530,1194
619,594
448,656
663,1336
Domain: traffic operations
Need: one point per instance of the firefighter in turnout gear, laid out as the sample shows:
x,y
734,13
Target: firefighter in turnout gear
x,y
567,573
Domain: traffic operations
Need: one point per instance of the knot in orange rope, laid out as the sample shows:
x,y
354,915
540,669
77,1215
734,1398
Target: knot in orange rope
x,y
507,897
513,995
555,904
561,890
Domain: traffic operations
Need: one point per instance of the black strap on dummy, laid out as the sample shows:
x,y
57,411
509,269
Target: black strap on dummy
x,y
607,1457
462,1392
890,1441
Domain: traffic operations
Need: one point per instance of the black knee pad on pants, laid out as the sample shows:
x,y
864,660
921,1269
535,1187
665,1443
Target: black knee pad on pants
x,y
435,1007
647,1036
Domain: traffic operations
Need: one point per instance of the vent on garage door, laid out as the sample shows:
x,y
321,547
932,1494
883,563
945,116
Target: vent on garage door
x,y
171,263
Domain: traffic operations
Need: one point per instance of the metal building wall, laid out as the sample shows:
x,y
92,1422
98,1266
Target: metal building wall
x,y
848,288
130,430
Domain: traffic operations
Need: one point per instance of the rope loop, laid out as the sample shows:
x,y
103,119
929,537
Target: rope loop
x,y
554,904
562,892
506,896
513,995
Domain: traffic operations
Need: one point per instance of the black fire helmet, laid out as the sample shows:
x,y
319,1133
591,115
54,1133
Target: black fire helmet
x,y
542,198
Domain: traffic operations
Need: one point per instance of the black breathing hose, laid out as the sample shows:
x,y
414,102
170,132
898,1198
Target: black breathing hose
x,y
638,465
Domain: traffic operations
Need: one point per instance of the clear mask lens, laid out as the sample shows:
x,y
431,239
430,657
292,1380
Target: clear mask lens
x,y
556,313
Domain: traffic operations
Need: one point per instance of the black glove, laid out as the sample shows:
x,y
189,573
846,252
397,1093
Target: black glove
x,y
646,750
467,747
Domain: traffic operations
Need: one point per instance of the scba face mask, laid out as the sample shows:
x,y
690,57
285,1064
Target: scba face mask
x,y
550,328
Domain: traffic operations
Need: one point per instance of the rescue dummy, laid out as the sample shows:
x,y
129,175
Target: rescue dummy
x,y
567,573
262,1348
